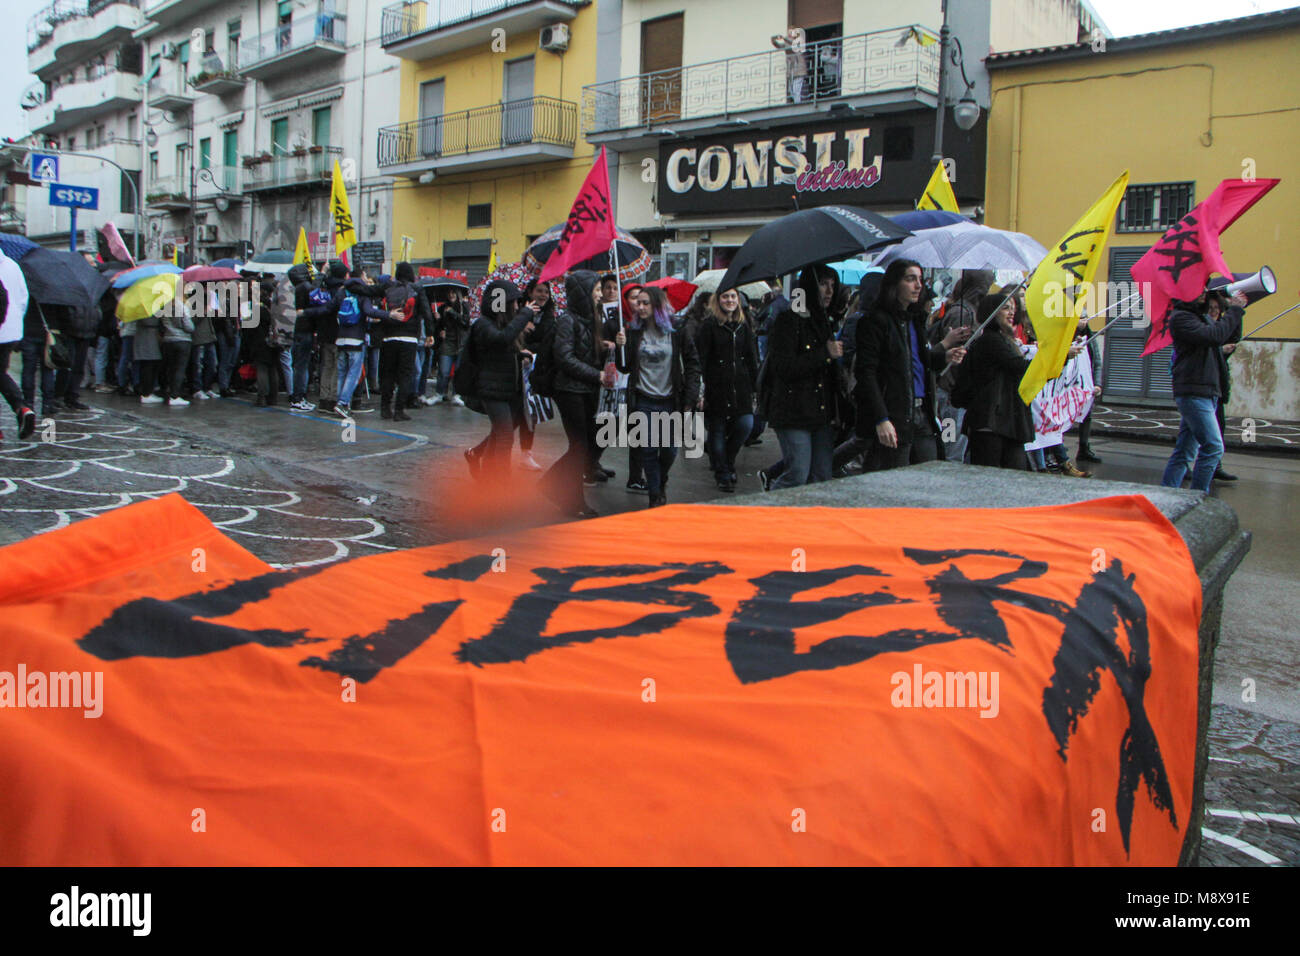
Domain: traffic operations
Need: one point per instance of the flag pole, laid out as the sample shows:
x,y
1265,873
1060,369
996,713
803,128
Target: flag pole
x,y
980,328
1271,321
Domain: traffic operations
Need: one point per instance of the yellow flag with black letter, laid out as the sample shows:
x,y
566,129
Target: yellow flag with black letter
x,y
301,254
345,233
938,192
1061,288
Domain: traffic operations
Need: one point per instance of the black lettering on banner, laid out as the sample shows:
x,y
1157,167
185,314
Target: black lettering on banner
x,y
1075,262
518,634
584,210
1182,246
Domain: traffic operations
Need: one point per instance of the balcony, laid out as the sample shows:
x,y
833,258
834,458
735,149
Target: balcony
x,y
74,103
168,192
307,171
881,71
171,92
66,30
217,181
504,134
294,46
167,13
219,82
422,31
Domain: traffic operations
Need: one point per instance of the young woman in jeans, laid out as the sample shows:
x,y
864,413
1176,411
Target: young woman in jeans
x,y
663,377
500,387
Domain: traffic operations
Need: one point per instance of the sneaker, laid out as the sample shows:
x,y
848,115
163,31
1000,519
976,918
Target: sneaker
x,y
1085,454
528,462
435,400
78,405
588,481
200,396
425,400
103,388
1219,473
342,411
399,415
302,405
764,480
457,400
182,402
1073,471
26,422
637,487
150,400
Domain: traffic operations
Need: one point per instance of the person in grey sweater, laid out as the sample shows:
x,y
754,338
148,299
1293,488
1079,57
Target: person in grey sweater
x,y
177,340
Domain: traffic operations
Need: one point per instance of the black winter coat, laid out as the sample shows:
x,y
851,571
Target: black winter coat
x,y
454,321
883,369
578,363
498,358
686,369
804,378
729,364
996,368
1198,353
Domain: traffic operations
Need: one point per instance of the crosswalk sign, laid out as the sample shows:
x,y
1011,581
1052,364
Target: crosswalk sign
x,y
44,168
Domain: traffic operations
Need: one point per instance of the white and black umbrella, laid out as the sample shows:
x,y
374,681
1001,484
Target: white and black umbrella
x,y
967,245
823,234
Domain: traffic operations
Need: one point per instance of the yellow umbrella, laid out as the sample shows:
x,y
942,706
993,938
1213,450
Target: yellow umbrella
x,y
148,297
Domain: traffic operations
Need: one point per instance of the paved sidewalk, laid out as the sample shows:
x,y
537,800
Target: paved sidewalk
x,y
1161,425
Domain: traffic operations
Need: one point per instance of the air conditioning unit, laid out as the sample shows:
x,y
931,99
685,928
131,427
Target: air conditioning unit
x,y
208,233
168,50
554,38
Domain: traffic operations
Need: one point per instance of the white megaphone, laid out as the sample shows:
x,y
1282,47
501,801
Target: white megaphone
x,y
1262,281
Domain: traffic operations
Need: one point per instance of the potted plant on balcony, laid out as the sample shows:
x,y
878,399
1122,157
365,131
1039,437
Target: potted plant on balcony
x,y
251,161
300,151
315,149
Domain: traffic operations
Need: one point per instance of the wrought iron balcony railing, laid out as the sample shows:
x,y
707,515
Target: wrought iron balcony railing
x,y
539,120
40,27
311,168
885,61
401,20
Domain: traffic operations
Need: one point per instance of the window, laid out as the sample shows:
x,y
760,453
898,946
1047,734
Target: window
x,y
153,166
230,147
479,216
205,153
233,29
129,178
280,137
132,125
1154,207
320,126
72,142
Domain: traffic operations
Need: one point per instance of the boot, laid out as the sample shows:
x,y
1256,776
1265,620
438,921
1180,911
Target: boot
x,y
400,414
386,410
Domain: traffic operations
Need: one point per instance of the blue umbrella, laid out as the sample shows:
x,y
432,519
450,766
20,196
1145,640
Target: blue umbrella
x,y
15,246
124,280
927,219
229,263
851,271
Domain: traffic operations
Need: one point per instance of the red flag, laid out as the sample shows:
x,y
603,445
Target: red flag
x,y
115,244
589,230
1179,265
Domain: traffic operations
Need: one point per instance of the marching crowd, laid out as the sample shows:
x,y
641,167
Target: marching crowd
x,y
871,378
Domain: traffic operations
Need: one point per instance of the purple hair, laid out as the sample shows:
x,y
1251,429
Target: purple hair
x,y
663,312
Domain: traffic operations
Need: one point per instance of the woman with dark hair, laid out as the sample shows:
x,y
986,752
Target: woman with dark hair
x,y
635,478
895,371
729,361
577,388
537,300
802,352
663,376
499,386
452,325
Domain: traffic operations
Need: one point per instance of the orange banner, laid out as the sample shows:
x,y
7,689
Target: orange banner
x,y
700,684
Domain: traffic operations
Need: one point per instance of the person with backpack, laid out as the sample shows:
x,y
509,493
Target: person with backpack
x,y
359,305
493,353
402,331
304,332
322,312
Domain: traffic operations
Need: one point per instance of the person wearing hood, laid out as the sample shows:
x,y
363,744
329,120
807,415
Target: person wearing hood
x,y
577,390
304,337
361,305
896,369
494,348
802,354
324,317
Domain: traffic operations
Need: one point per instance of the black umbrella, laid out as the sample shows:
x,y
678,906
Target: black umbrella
x,y
823,234
63,278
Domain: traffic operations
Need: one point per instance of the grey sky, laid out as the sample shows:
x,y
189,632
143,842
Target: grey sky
x,y
1124,17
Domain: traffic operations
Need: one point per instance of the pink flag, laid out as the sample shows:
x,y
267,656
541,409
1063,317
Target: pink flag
x,y
589,230
1179,265
115,244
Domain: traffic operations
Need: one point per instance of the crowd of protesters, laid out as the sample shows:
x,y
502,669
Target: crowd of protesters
x,y
863,379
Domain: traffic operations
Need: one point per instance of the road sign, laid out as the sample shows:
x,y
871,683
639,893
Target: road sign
x,y
78,197
43,167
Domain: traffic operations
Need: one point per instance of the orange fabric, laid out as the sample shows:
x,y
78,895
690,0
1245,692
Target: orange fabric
x,y
474,746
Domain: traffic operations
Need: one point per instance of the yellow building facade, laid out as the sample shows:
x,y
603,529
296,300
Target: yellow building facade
x,y
488,148
1182,110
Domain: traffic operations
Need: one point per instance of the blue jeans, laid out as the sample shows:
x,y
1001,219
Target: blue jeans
x,y
203,366
655,462
227,357
806,454
101,360
33,362
350,362
1199,440
372,364
445,363
302,346
127,374
286,366
726,436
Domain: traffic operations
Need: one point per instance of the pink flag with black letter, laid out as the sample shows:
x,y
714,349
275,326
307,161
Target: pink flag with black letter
x,y
589,230
115,244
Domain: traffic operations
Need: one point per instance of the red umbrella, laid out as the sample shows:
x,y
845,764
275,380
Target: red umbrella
x,y
679,291
208,274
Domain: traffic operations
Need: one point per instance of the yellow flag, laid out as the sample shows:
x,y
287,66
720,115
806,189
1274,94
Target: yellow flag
x,y
345,234
938,192
492,260
301,254
1062,285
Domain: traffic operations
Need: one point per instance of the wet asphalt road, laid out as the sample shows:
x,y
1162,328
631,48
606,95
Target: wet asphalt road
x,y
300,488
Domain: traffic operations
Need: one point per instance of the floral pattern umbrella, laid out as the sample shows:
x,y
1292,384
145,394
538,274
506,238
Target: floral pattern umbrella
x,y
633,260
519,274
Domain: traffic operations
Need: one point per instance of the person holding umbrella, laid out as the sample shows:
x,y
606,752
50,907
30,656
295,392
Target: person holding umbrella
x,y
895,371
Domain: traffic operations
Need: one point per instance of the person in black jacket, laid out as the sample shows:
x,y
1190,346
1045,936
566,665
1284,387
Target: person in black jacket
x,y
1197,386
493,347
403,329
304,336
351,341
895,371
577,388
1234,314
538,300
326,321
452,325
729,362
663,377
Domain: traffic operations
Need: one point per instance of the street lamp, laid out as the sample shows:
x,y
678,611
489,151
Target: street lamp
x,y
966,112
